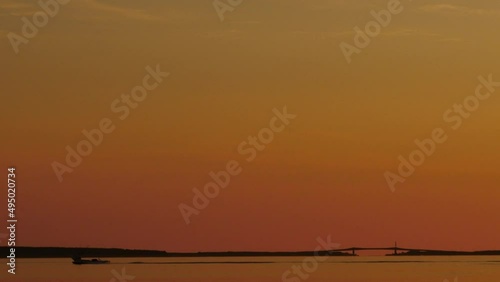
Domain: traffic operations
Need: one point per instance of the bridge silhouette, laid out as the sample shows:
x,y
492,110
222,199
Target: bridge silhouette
x,y
394,249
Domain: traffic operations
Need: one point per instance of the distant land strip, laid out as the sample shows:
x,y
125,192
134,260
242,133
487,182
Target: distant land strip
x,y
61,252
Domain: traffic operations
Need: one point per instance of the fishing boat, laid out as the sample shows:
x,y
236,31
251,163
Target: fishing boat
x,y
79,260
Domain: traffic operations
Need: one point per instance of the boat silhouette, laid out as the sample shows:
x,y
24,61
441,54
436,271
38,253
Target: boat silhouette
x,y
79,260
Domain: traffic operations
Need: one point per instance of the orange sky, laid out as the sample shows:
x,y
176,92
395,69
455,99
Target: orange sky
x,y
324,174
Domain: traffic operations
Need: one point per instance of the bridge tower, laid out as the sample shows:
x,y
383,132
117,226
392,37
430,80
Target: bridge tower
x,y
395,248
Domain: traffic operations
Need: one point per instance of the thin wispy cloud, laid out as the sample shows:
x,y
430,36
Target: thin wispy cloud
x,y
328,5
11,5
396,32
399,32
17,8
454,39
459,10
230,34
129,10
323,35
130,13
247,22
405,32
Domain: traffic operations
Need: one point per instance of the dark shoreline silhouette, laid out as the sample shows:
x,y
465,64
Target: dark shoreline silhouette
x,y
61,252
446,253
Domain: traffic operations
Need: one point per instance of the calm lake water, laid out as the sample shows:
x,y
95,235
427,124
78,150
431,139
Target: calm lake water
x,y
261,269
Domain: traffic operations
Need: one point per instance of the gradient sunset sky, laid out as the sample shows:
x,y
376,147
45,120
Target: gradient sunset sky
x,y
323,175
